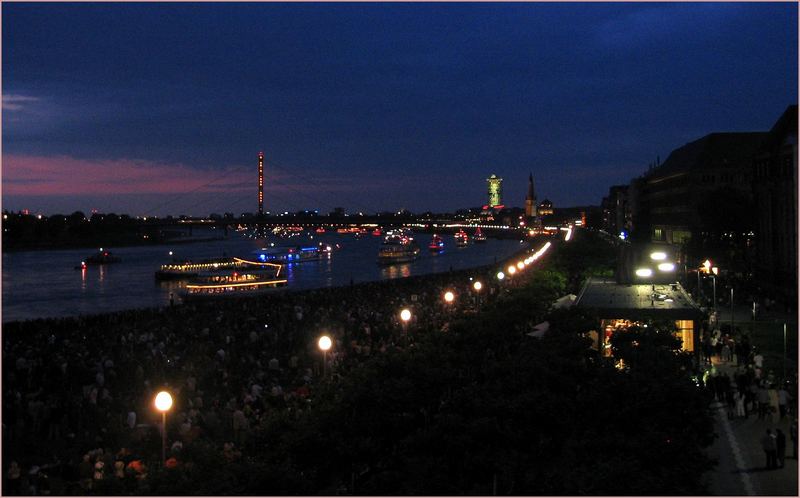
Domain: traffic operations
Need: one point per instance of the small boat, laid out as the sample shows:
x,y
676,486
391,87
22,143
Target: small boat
x,y
100,258
377,232
461,238
398,247
437,244
479,236
233,284
320,230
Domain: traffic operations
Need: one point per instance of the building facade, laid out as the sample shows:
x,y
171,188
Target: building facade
x,y
775,192
698,192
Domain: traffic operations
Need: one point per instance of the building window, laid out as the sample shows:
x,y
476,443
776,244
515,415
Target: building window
x,y
658,234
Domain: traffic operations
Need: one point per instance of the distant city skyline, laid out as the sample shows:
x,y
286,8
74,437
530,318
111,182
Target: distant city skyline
x,y
155,109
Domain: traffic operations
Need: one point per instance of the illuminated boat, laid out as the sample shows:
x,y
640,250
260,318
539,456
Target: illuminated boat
x,y
478,236
461,238
294,254
437,244
100,258
398,247
233,284
377,232
189,269
320,230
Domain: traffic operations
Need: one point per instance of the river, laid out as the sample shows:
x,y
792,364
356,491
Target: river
x,y
45,284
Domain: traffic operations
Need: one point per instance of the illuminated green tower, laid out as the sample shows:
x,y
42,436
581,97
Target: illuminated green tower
x,y
495,190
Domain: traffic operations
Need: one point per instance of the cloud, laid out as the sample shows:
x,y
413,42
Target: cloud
x,y
63,175
17,102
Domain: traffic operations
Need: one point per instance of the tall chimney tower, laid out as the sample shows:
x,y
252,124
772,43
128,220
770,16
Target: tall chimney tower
x,y
530,200
260,183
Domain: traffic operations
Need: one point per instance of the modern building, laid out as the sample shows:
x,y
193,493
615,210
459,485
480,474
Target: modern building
x,y
530,201
775,196
678,199
618,306
495,188
260,183
617,215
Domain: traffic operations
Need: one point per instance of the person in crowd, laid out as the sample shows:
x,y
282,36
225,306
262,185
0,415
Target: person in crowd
x,y
783,401
769,445
780,447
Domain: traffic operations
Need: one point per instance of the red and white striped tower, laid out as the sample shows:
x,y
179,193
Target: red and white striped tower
x,y
260,183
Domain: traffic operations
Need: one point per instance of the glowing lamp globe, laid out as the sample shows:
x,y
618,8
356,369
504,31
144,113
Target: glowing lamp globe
x,y
324,343
501,275
405,315
512,270
520,265
448,296
163,401
477,286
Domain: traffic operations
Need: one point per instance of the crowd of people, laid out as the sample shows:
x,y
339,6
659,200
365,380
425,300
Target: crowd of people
x,y
751,390
78,392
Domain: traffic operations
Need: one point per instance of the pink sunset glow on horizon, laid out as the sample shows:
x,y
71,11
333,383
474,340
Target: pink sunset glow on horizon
x,y
63,175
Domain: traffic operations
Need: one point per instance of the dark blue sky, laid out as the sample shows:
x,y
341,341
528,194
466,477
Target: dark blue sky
x,y
157,108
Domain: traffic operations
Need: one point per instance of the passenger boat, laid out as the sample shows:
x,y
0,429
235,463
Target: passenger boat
x,y
320,230
461,238
233,284
478,236
189,268
398,247
100,258
293,254
437,244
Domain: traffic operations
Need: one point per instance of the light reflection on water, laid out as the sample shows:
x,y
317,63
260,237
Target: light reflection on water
x,y
39,284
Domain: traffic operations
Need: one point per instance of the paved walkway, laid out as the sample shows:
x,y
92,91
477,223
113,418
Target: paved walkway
x,y
741,469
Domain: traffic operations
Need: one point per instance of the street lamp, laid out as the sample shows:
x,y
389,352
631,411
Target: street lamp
x,y
448,297
405,316
666,267
644,272
658,256
512,270
477,286
324,344
163,403
501,275
520,265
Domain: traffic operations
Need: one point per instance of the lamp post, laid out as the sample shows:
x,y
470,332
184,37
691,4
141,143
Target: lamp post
x,y
784,352
405,316
163,403
732,329
477,286
324,344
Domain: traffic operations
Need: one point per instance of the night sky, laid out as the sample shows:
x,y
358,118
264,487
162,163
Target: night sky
x,y
162,108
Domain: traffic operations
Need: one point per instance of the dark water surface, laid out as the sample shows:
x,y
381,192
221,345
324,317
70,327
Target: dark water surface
x,y
40,284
